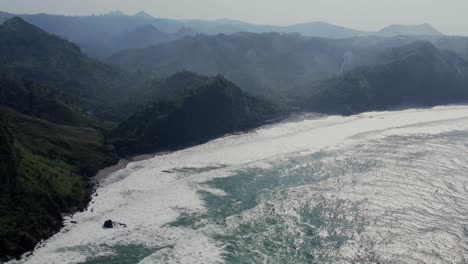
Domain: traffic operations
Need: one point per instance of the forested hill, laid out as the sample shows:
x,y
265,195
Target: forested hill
x,y
44,171
27,52
272,64
210,108
418,75
59,110
63,115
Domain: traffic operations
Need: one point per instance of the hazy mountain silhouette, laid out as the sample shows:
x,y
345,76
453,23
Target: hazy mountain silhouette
x,y
57,110
409,30
32,54
418,74
96,34
64,115
268,63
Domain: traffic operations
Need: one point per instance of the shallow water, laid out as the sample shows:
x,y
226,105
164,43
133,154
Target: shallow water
x,y
388,187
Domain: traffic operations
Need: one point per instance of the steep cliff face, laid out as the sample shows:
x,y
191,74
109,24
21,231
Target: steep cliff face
x,y
215,107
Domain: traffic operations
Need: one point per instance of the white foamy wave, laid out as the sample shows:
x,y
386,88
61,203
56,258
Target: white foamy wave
x,y
150,194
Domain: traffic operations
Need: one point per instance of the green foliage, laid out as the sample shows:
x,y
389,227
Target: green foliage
x,y
213,107
30,98
44,165
59,65
44,173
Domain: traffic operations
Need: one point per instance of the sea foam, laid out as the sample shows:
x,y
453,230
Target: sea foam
x,y
148,195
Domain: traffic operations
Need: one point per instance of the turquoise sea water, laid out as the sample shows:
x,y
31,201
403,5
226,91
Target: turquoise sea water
x,y
390,195
307,209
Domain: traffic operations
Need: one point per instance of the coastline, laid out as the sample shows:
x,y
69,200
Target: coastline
x,y
122,164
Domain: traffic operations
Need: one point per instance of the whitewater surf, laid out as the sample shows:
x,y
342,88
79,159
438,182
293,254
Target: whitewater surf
x,y
380,187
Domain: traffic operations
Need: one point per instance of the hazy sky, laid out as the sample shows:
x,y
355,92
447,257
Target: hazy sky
x,y
449,16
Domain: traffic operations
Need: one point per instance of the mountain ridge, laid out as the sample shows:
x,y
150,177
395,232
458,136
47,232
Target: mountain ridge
x,y
63,115
210,107
58,114
409,30
59,64
94,33
419,75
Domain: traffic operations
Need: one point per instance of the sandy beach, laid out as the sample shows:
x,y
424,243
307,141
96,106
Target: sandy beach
x,y
122,164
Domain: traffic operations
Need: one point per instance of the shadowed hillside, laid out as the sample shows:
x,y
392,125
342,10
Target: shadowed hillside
x,y
58,64
213,107
44,170
419,75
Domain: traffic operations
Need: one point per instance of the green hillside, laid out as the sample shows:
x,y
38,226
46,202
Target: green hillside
x,y
32,54
45,170
215,107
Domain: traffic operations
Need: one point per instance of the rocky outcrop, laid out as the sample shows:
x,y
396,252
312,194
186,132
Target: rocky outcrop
x,y
111,224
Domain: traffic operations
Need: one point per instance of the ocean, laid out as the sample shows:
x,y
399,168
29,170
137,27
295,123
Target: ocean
x,y
378,187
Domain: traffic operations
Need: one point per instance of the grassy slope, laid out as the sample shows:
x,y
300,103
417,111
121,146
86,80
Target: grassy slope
x,y
44,172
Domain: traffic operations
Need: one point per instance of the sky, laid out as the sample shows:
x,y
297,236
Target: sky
x,y
449,16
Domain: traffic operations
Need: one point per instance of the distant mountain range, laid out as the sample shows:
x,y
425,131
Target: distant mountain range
x,y
97,35
102,35
411,30
272,64
64,115
28,52
417,74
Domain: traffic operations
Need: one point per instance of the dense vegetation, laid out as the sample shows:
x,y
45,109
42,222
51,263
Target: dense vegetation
x,y
44,166
33,99
63,115
57,110
44,172
60,65
212,107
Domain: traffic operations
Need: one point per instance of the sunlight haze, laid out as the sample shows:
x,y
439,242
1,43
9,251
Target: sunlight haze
x,y
359,14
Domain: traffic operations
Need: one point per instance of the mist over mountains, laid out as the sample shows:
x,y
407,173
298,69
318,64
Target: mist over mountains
x,y
79,92
411,30
275,64
102,35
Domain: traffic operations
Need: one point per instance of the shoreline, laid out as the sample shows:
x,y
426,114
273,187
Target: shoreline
x,y
295,143
122,164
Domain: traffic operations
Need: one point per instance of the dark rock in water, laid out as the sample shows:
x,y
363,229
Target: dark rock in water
x,y
108,224
112,224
